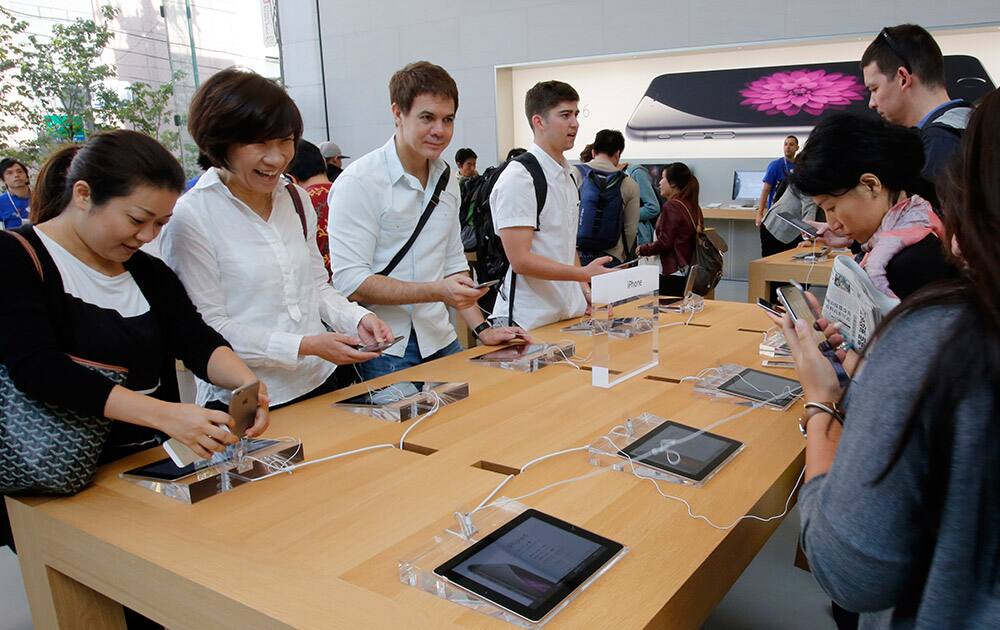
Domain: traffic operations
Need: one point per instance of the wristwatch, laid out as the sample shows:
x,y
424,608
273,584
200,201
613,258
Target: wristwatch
x,y
831,408
480,328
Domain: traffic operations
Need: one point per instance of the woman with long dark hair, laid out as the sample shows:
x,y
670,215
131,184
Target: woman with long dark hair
x,y
93,295
676,229
901,502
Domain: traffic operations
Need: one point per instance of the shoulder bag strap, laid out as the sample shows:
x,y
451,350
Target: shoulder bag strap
x,y
697,227
299,210
435,199
31,252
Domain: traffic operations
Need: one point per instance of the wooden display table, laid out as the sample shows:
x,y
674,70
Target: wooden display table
x,y
781,268
318,548
730,213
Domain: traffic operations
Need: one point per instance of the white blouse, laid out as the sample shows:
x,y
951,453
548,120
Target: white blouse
x,y
259,283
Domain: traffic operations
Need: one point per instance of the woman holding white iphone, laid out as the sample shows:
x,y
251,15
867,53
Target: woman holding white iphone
x,y
244,244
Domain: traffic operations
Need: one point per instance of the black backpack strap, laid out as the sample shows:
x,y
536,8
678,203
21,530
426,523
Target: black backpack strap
x,y
299,210
435,199
530,163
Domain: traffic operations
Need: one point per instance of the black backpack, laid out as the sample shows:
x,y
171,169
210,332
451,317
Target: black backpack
x,y
602,210
469,188
491,261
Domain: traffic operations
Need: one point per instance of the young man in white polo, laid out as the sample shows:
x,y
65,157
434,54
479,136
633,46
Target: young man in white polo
x,y
395,244
545,282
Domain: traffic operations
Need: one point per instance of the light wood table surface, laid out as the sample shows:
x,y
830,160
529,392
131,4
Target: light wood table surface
x,y
730,213
319,548
781,268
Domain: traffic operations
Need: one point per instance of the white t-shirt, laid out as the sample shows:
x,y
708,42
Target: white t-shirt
x,y
117,293
512,202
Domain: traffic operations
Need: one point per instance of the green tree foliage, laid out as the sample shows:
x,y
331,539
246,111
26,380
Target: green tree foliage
x,y
57,88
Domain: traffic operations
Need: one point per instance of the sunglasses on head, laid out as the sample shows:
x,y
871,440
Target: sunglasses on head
x,y
887,38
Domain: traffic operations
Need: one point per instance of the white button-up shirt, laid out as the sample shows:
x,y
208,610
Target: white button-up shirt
x,y
259,283
539,302
374,208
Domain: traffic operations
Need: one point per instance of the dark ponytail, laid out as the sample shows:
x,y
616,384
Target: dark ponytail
x,y
112,163
680,177
843,147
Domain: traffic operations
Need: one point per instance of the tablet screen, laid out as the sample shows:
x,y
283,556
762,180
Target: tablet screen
x,y
530,564
385,395
694,459
511,353
761,386
167,470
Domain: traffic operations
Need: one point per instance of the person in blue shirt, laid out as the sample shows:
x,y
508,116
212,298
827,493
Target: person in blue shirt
x,y
777,172
14,201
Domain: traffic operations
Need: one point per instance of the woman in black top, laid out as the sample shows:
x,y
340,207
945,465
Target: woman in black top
x,y
101,299
865,175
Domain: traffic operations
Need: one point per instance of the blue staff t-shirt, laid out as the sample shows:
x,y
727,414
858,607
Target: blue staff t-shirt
x,y
13,210
777,171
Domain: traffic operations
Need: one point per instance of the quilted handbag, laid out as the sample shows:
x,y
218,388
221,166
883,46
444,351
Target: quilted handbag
x,y
45,448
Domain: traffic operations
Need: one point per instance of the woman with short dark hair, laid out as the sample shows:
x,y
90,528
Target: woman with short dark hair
x,y
243,244
865,175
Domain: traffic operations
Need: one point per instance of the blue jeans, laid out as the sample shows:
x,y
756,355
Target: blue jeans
x,y
386,364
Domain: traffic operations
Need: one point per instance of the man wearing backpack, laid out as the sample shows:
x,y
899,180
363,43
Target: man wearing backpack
x,y
534,206
904,71
394,235
609,203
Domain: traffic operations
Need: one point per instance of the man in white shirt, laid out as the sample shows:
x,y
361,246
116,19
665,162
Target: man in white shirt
x,y
376,208
545,282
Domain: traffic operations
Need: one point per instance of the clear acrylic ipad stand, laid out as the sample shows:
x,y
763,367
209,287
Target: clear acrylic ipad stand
x,y
628,341
545,354
404,400
217,478
605,452
417,569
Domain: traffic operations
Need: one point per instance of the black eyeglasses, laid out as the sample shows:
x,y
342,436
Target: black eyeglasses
x,y
884,35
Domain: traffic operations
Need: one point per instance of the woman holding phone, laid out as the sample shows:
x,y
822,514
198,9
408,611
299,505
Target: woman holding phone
x,y
244,244
92,294
901,500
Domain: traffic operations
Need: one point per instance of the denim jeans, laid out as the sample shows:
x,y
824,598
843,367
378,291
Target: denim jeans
x,y
386,364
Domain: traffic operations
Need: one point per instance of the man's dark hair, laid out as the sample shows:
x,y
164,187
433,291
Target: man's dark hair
x,y
795,138
308,161
908,46
9,162
421,77
238,106
609,142
465,154
516,151
545,95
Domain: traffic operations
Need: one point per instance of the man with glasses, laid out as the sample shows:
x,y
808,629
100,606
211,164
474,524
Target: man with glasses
x,y
904,71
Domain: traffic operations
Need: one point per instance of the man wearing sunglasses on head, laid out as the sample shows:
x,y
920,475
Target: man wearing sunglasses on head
x,y
904,71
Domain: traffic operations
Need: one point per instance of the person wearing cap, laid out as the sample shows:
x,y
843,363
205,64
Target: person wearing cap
x,y
334,159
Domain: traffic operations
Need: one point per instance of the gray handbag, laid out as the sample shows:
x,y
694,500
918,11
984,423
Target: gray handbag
x,y
45,448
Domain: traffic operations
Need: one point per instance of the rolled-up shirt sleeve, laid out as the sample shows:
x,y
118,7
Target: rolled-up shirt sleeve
x,y
353,228
186,248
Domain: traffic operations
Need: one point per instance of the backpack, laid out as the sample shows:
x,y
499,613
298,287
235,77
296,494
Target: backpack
x,y
467,208
491,261
707,256
602,210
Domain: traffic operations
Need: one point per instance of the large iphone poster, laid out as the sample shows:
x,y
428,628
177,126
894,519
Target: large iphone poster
x,y
735,102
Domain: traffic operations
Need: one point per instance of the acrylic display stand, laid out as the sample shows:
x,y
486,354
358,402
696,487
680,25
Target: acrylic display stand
x,y
404,400
546,354
216,478
628,343
605,451
417,570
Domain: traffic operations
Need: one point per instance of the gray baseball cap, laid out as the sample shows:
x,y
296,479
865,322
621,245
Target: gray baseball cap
x,y
331,149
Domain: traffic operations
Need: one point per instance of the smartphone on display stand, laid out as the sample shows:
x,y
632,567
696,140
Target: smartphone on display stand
x,y
720,104
770,308
799,224
378,346
242,409
794,301
483,285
